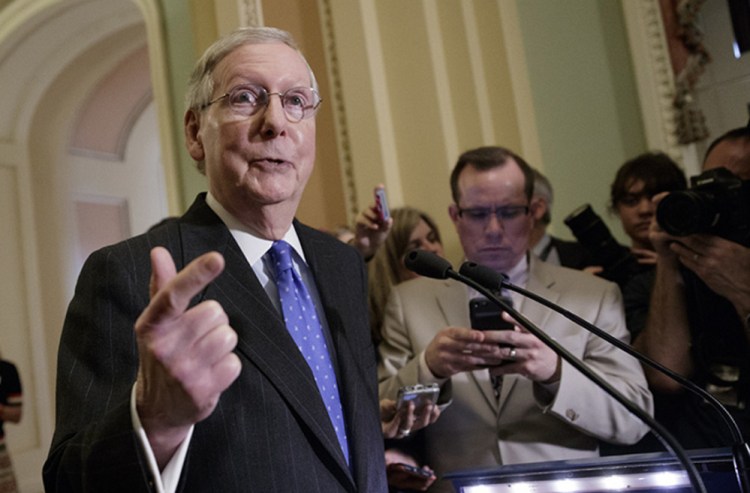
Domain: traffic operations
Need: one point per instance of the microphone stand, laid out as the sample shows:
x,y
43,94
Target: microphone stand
x,y
664,436
740,449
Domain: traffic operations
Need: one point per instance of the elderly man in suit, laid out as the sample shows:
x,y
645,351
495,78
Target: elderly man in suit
x,y
511,398
180,365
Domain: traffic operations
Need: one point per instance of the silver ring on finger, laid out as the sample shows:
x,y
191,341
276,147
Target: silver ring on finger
x,y
404,432
512,354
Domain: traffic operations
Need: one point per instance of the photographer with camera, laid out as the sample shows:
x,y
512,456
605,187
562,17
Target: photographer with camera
x,y
637,181
700,305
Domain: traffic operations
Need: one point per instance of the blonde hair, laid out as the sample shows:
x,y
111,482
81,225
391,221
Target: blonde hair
x,y
385,267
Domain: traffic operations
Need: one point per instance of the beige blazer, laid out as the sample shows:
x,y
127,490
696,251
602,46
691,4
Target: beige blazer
x,y
478,430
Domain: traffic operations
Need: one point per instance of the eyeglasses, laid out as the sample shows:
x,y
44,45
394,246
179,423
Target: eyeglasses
x,y
482,214
299,103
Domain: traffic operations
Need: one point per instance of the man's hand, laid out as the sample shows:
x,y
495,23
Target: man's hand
x,y
457,349
405,474
722,264
525,355
644,256
395,422
186,358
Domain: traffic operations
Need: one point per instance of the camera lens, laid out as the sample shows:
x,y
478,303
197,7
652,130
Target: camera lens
x,y
591,232
588,228
686,213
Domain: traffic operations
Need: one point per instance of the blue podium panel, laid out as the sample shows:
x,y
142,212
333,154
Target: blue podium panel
x,y
642,473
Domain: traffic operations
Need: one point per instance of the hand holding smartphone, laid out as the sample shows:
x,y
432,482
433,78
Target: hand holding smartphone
x,y
486,315
410,470
420,395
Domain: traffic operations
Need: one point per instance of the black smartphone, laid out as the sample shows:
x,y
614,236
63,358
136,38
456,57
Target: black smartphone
x,y
486,315
381,204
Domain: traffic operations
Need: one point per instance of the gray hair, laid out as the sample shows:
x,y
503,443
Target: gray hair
x,y
201,83
543,190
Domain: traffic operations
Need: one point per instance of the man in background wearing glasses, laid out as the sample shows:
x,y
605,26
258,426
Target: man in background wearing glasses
x,y
177,370
511,399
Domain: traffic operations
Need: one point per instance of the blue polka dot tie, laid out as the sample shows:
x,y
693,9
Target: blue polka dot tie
x,y
302,323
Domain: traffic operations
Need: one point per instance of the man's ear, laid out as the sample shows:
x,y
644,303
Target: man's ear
x,y
538,207
193,140
453,212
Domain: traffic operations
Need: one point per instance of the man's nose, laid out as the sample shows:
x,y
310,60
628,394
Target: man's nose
x,y
274,117
494,224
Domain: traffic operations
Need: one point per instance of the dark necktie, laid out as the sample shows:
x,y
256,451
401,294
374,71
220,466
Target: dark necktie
x,y
497,381
302,323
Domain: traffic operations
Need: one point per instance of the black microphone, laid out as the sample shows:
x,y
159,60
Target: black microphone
x,y
426,264
740,450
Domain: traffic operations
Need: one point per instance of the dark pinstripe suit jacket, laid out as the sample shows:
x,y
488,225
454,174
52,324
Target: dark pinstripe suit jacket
x,y
270,431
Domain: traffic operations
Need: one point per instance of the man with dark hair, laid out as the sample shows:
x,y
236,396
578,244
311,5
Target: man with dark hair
x,y
511,399
635,184
699,320
637,181
228,349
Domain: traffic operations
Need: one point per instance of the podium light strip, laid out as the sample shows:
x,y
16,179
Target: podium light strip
x,y
598,484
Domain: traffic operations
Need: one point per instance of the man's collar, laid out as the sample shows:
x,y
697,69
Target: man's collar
x,y
251,245
519,273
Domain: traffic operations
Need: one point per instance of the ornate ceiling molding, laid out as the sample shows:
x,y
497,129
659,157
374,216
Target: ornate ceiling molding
x,y
654,76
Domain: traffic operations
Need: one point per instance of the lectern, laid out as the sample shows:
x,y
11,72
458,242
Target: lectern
x,y
642,473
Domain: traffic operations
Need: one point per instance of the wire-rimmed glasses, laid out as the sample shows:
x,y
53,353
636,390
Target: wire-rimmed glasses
x,y
299,103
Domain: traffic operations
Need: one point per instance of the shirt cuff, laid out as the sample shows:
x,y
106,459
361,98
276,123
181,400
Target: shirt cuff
x,y
165,481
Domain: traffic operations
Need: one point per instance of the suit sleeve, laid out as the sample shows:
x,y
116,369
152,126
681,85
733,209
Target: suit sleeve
x,y
95,447
397,366
403,346
581,403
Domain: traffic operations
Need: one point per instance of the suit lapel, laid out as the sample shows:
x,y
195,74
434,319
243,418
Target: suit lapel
x,y
263,338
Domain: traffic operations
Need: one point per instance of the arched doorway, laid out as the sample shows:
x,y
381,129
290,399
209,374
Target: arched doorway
x,y
80,167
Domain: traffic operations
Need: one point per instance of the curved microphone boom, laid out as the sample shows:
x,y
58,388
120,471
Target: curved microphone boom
x,y
430,265
741,453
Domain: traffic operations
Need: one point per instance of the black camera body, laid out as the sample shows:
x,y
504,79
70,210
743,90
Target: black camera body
x,y
717,203
618,263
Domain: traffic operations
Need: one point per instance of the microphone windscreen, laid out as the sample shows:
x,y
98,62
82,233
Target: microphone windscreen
x,y
482,275
427,264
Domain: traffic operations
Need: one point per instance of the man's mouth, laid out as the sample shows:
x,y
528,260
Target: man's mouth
x,y
268,161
